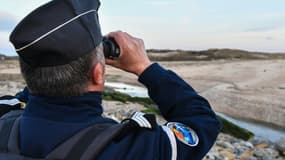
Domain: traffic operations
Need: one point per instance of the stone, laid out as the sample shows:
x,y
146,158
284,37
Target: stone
x,y
280,145
228,155
247,144
266,153
213,156
225,144
251,158
257,141
228,138
240,148
262,145
226,147
10,88
246,155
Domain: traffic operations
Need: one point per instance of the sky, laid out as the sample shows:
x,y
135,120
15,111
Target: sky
x,y
254,25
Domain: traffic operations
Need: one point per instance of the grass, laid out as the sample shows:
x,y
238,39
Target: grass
x,y
150,107
204,55
210,54
234,130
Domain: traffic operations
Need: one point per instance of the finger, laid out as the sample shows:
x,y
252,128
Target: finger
x,y
130,36
114,34
110,62
141,41
119,36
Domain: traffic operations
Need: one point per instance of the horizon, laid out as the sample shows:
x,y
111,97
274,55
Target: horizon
x,y
178,25
182,50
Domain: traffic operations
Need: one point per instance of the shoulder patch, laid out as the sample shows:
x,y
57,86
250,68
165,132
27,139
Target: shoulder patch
x,y
184,133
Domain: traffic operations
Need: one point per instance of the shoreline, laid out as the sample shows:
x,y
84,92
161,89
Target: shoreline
x,y
245,89
251,89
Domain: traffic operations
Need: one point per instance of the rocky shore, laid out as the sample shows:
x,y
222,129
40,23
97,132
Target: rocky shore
x,y
225,148
246,89
252,89
230,148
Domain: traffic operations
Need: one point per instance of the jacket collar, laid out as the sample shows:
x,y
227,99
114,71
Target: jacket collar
x,y
78,109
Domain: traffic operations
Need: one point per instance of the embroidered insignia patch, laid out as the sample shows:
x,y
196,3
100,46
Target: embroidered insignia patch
x,y
185,134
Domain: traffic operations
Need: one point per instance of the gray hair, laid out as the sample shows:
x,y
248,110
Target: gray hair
x,y
64,80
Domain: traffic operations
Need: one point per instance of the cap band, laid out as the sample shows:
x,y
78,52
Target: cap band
x,y
53,30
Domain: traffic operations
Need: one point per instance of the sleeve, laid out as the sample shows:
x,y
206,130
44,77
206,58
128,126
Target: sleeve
x,y
179,102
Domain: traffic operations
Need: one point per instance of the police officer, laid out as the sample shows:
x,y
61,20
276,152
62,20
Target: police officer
x,y
62,62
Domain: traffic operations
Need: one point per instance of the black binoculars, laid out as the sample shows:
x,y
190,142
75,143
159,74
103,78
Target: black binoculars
x,y
111,48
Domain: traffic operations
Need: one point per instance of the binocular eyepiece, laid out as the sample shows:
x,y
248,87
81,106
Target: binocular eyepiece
x,y
111,48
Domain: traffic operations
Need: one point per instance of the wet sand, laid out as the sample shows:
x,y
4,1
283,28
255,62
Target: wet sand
x,y
251,89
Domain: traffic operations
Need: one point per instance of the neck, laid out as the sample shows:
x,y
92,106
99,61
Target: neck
x,y
95,88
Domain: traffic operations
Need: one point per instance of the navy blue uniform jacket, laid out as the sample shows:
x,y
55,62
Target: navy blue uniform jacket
x,y
49,121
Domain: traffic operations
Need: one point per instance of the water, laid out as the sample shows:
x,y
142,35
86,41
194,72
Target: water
x,y
131,90
261,131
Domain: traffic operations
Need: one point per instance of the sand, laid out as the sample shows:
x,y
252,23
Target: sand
x,y
252,89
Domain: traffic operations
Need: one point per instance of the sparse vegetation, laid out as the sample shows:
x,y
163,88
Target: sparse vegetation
x,y
150,107
109,94
210,54
234,130
4,57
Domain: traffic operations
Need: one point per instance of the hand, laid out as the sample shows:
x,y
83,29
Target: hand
x,y
133,57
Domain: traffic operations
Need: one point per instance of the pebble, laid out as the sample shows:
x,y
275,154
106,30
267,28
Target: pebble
x,y
228,155
10,88
266,153
225,148
280,145
225,144
230,148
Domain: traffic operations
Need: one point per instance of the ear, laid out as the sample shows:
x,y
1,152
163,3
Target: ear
x,y
97,80
98,74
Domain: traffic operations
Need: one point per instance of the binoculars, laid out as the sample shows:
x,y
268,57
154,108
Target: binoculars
x,y
111,48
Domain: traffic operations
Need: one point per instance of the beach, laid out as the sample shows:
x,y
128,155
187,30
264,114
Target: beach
x,y
252,89
247,89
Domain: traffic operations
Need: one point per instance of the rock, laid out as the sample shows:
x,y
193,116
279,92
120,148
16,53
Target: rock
x,y
10,88
213,156
225,145
262,145
247,144
251,158
228,155
228,147
241,147
226,137
266,153
280,145
246,155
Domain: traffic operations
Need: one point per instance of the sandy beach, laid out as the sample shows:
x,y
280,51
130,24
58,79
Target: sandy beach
x,y
253,90
248,89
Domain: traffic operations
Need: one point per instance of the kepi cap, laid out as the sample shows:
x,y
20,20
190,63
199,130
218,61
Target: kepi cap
x,y
58,32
